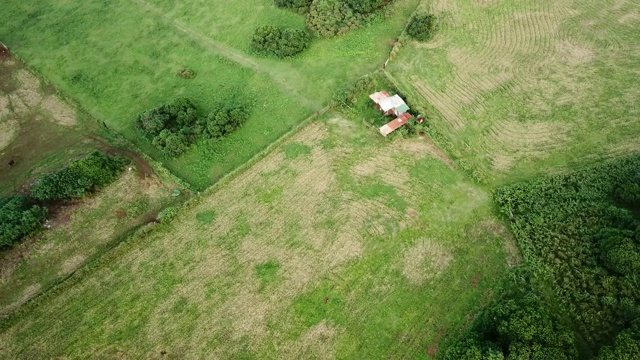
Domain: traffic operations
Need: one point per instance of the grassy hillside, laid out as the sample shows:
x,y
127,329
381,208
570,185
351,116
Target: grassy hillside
x,y
520,88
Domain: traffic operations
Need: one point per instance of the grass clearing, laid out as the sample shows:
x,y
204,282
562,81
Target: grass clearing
x,y
523,88
116,75
330,267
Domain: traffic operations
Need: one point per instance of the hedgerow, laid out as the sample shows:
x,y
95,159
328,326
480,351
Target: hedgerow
x,y
79,178
580,230
279,41
19,217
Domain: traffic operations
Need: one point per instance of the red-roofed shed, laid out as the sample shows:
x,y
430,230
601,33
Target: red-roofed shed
x,y
395,124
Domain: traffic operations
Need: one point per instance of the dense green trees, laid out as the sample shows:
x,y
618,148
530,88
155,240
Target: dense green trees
x,y
516,325
366,6
300,6
582,230
279,41
173,127
19,217
421,27
79,178
625,347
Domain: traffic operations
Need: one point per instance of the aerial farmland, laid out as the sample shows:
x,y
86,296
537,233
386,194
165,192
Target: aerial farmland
x,y
320,179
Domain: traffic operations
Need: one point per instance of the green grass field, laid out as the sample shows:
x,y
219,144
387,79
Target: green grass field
x,y
119,58
522,88
336,244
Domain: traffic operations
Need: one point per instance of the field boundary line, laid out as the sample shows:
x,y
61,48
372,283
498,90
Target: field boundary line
x,y
227,52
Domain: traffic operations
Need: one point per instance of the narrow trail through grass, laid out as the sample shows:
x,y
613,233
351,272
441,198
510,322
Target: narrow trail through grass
x,y
238,57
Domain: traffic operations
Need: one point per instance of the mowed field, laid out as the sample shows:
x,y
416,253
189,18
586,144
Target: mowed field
x,y
118,58
337,244
520,88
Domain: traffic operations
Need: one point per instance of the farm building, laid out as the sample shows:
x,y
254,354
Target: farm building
x,y
396,123
391,105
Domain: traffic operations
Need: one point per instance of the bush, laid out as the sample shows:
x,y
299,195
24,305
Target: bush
x,y
421,27
279,41
300,6
80,177
226,118
332,17
171,127
18,218
167,214
366,6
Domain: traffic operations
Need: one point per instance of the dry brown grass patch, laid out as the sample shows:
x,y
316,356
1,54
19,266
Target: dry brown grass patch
x,y
425,260
61,113
319,342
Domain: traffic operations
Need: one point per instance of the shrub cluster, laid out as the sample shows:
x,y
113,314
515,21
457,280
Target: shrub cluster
x,y
366,6
299,6
332,17
79,178
173,127
279,41
421,27
584,231
328,18
19,217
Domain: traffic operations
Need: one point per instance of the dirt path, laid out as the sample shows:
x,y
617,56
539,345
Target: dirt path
x,y
144,168
229,53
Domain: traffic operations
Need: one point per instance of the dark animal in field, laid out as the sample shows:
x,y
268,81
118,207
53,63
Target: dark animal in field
x,y
11,163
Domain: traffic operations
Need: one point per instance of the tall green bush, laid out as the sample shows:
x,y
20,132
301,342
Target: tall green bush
x,y
19,217
421,27
279,41
79,178
366,6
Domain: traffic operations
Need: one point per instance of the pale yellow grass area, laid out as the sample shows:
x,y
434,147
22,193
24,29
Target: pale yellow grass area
x,y
425,261
525,140
8,131
60,112
79,230
309,197
319,342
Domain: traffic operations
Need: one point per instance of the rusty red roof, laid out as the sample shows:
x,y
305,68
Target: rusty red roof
x,y
395,124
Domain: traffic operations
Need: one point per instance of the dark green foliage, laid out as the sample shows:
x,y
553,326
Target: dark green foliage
x,y
300,6
517,325
366,6
18,218
171,143
171,127
226,118
421,27
332,17
573,228
626,345
79,178
279,41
